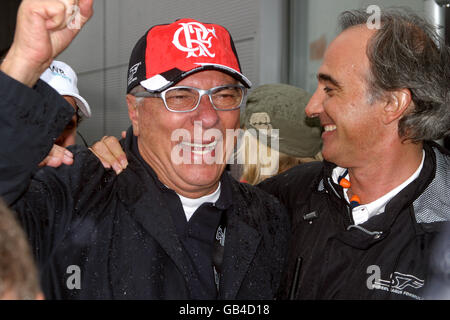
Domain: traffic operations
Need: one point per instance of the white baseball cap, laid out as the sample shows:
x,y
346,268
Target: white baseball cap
x,y
64,80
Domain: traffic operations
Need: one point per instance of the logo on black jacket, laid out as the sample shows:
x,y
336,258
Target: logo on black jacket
x,y
397,284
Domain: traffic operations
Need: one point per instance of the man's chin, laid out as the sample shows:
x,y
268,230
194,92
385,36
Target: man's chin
x,y
201,174
329,154
341,159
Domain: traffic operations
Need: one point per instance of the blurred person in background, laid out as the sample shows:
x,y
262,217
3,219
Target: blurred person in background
x,y
282,107
18,275
61,77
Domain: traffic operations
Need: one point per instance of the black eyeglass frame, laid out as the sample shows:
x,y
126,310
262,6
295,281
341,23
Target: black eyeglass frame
x,y
202,92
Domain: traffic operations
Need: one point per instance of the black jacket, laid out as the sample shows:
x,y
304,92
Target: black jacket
x,y
386,257
116,231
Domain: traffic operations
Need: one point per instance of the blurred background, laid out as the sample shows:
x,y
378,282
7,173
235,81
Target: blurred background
x,y
278,41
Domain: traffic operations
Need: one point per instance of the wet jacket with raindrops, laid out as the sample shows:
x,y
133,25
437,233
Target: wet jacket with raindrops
x,y
114,231
390,256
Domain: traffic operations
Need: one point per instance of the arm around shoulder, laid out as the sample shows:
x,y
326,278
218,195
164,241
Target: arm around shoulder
x,y
291,184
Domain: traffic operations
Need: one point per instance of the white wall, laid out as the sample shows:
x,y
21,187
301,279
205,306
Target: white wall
x,y
272,37
322,18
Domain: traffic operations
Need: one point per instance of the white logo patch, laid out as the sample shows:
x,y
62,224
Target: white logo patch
x,y
132,72
198,39
59,72
398,283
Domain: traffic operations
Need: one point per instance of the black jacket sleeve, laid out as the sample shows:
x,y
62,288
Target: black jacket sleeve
x,y
30,121
294,184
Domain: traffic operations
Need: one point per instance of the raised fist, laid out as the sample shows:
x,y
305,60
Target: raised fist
x,y
44,29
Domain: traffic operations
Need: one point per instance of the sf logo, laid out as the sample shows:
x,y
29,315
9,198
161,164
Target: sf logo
x,y
197,39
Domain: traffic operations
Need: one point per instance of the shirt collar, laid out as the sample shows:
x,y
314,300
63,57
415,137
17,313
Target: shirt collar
x,y
364,212
191,205
221,198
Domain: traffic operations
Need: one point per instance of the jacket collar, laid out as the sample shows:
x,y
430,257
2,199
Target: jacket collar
x,y
241,242
431,207
151,213
378,227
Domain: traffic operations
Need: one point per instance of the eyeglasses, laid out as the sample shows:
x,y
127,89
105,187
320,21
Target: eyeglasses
x,y
186,99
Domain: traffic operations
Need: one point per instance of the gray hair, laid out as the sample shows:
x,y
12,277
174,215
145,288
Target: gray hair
x,y
135,90
406,52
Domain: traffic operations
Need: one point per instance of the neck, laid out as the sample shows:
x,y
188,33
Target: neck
x,y
384,171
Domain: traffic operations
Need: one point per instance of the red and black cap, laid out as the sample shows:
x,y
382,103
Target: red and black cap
x,y
168,53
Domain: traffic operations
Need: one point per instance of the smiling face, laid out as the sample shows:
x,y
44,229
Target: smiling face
x,y
352,125
159,139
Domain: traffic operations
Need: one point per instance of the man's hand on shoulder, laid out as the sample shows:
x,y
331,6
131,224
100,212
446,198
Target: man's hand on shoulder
x,y
57,156
109,151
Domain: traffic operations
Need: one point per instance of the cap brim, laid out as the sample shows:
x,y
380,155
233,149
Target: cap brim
x,y
159,83
81,103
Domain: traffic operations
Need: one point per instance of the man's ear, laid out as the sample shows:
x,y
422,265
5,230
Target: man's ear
x,y
397,105
133,113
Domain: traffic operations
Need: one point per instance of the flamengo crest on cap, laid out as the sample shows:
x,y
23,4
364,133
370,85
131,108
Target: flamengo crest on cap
x,y
197,40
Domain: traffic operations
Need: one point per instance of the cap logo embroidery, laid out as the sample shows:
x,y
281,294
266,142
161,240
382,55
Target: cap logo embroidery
x,y
60,72
260,120
132,72
197,37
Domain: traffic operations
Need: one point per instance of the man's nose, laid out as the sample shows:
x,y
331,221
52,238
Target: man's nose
x,y
315,104
206,113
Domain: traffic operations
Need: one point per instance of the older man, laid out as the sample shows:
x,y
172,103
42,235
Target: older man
x,y
172,225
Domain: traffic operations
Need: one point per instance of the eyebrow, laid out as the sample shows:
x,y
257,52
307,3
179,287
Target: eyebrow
x,y
328,78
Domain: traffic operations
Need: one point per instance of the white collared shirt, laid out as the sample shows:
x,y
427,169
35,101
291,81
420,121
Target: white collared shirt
x,y
364,212
190,205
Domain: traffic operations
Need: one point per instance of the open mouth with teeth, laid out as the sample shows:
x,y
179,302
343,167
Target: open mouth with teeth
x,y
199,148
329,127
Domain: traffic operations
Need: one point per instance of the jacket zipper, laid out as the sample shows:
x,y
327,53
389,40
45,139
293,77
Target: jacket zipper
x,y
349,216
296,281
